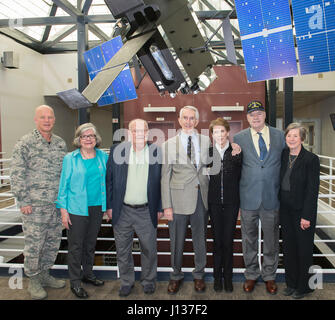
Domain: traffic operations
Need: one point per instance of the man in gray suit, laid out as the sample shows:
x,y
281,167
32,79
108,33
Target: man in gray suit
x,y
184,186
262,146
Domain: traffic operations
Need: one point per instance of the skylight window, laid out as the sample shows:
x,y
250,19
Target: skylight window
x,y
17,9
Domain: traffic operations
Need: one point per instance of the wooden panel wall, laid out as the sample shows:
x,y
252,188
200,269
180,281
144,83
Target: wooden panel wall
x,y
229,88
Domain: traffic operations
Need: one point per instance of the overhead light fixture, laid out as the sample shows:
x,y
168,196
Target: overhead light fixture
x,y
159,109
227,108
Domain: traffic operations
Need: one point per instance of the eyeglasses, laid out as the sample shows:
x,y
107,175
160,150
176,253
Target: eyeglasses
x,y
89,136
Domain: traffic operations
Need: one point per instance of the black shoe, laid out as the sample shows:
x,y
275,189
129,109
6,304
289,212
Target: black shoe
x,y
125,291
149,289
288,291
79,292
218,287
228,285
95,281
297,295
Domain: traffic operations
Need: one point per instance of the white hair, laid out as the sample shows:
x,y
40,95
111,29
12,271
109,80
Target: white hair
x,y
190,108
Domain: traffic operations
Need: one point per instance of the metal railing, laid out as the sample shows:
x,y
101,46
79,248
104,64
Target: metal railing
x,y
10,216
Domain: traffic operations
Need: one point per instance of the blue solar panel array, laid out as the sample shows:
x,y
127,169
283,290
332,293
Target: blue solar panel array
x,y
315,32
122,88
267,39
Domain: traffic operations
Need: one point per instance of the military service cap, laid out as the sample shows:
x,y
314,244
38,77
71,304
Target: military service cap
x,y
255,105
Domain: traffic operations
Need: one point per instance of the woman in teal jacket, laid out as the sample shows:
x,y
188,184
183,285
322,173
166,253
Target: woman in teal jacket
x,y
82,201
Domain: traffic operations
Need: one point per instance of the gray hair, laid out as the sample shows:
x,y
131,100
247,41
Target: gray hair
x,y
81,129
296,125
190,108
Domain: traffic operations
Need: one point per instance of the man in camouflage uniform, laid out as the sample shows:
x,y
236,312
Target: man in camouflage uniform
x,y
36,167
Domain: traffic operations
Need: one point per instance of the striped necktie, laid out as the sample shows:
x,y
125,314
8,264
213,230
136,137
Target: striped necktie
x,y
262,147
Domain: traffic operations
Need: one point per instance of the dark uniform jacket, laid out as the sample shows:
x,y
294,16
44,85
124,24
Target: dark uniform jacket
x,y
230,176
304,182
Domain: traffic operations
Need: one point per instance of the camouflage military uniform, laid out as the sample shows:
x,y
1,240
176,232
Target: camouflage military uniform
x,y
35,172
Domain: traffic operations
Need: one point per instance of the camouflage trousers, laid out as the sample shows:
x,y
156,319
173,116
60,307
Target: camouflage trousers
x,y
42,235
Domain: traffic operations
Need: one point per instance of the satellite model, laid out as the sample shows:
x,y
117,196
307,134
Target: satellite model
x,y
166,39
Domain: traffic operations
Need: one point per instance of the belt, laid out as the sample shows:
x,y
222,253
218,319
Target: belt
x,y
136,206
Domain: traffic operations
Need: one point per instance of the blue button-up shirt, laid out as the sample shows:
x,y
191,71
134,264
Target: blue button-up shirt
x,y
72,193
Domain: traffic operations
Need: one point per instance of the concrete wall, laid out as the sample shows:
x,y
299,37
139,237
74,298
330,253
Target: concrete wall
x,y
60,73
312,82
67,121
321,111
328,133
21,91
102,119
229,89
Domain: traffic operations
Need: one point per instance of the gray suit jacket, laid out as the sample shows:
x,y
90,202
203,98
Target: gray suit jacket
x,y
180,178
259,182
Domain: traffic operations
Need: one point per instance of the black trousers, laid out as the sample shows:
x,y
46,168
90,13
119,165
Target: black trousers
x,y
223,221
297,246
82,238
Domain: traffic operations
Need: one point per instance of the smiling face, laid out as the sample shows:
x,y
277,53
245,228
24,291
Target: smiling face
x,y
88,139
44,119
293,140
188,120
138,133
220,135
256,119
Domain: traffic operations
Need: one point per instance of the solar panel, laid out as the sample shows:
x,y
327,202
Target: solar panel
x,y
267,39
315,33
122,88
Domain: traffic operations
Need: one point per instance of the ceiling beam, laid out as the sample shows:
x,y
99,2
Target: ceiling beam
x,y
98,32
68,46
215,14
86,6
221,38
63,34
67,7
103,18
79,4
208,5
60,20
48,28
231,3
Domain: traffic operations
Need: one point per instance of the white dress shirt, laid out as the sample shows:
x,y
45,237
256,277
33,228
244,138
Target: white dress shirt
x,y
266,136
195,141
223,150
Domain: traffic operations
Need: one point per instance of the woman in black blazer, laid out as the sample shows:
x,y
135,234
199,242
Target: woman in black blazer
x,y
300,180
223,201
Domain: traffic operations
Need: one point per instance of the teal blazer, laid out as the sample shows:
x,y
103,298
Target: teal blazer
x,y
72,194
